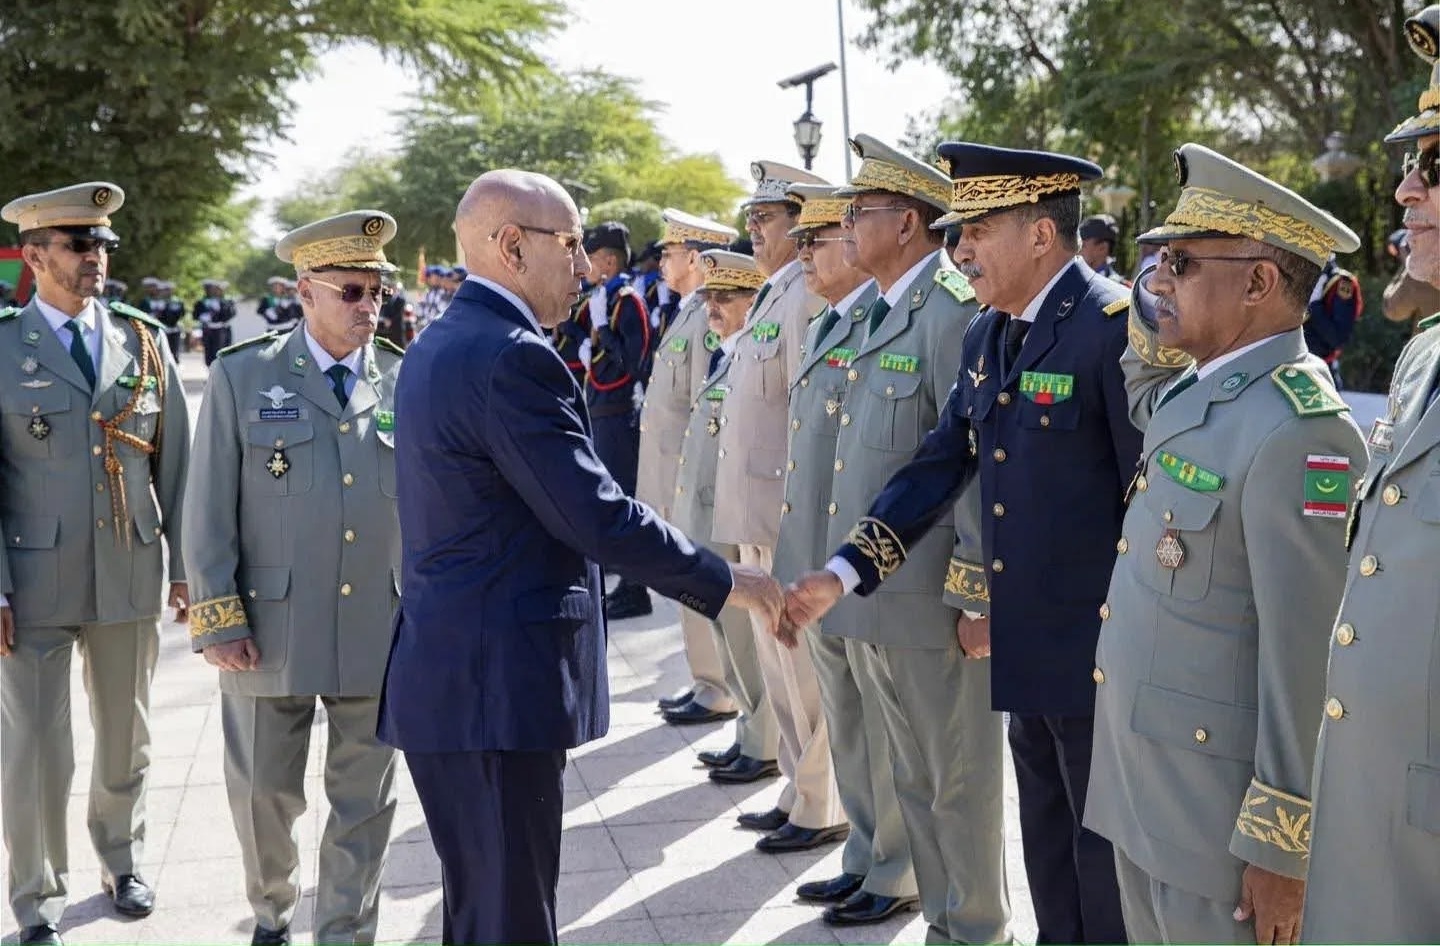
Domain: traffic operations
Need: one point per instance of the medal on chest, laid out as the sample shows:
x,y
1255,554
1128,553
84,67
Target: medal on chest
x,y
39,428
278,464
1169,551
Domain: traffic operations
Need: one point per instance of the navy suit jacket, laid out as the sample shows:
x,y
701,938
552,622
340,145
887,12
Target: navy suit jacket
x,y
504,510
1053,468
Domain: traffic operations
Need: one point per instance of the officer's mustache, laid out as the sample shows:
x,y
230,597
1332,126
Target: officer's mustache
x,y
971,270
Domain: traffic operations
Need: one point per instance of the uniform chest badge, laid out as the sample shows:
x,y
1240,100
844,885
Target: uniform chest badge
x,y
832,405
1045,387
977,373
1327,486
30,365
1169,551
278,464
1382,436
39,428
277,396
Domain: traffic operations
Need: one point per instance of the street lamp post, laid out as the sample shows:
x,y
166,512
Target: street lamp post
x,y
807,126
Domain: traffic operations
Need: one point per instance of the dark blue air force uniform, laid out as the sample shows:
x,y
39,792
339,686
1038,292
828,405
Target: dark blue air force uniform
x,y
1051,440
498,659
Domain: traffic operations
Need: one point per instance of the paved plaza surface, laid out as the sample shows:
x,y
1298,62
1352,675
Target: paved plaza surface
x,y
651,851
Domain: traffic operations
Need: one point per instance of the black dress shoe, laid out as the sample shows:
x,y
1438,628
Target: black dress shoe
x,y
131,895
792,837
835,890
627,601
676,701
264,937
714,760
771,820
692,713
865,907
745,769
42,934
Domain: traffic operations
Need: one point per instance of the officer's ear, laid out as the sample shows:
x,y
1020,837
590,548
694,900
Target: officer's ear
x,y
30,252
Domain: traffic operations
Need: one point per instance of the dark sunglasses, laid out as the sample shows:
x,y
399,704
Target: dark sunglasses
x,y
809,239
351,293
726,296
82,246
1178,261
1427,162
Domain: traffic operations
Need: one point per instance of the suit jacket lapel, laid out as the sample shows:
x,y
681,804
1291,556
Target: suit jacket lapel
x,y
846,328
115,358
1057,308
777,289
364,396
314,386
1425,431
1188,409
37,336
898,319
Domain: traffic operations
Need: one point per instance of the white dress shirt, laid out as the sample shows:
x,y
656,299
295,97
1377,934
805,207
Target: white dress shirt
x,y
324,361
89,319
509,297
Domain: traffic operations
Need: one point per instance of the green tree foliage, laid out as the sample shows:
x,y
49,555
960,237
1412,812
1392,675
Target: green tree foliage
x,y
640,217
170,98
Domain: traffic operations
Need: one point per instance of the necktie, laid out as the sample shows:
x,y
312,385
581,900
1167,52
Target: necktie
x,y
715,357
338,374
878,310
80,351
1187,379
831,317
1015,331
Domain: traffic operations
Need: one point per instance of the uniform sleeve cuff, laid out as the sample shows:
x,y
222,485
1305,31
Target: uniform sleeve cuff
x,y
217,621
843,570
1146,343
878,544
1273,830
966,587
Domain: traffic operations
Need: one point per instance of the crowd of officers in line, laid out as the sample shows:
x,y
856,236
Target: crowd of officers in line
x,y
915,401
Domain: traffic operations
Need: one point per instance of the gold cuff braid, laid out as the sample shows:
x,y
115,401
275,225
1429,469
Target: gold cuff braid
x,y
1143,340
967,581
1277,818
216,614
879,543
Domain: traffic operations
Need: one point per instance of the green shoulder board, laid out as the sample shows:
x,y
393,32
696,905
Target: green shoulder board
x,y
250,342
130,312
1422,325
9,312
1308,394
957,285
385,344
1115,308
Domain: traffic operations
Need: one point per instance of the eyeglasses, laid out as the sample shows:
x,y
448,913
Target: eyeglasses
x,y
351,293
851,211
1427,162
1178,261
760,217
809,239
570,240
81,246
726,296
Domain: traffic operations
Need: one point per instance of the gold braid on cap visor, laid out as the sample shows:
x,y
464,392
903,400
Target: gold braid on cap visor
x,y
338,251
883,176
996,192
1200,207
684,233
824,212
722,278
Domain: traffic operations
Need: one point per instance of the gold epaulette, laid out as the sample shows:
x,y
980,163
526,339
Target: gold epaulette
x,y
1116,307
1306,392
130,312
385,344
953,282
1276,818
216,614
967,580
250,342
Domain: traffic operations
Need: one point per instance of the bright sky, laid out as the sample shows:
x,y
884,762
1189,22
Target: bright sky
x,y
730,105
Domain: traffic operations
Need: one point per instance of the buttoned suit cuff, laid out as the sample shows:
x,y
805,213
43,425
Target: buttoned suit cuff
x,y
1272,830
217,621
966,588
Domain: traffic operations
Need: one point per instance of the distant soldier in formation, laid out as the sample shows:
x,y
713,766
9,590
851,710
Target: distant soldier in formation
x,y
1098,236
279,307
171,312
1335,303
213,313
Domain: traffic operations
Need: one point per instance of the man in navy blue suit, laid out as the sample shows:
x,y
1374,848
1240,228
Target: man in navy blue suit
x,y
1039,413
498,660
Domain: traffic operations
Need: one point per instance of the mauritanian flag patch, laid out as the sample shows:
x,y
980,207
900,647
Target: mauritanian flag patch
x,y
1327,486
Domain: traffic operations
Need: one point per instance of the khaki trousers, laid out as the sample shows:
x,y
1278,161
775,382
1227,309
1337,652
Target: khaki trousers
x,y
1157,912
267,740
756,730
37,755
877,847
707,670
947,747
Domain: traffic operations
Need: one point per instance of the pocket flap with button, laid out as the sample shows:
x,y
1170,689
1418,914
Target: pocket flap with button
x,y
147,520
1422,797
894,385
1062,415
43,401
31,532
765,464
1190,722
764,351
266,583
289,434
1189,511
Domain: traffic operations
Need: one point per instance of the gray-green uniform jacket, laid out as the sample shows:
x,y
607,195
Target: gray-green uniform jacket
x,y
1211,660
1375,860
693,508
295,538
897,382
680,365
62,562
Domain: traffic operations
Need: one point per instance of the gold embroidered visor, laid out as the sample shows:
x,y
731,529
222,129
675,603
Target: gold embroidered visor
x,y
974,197
344,252
725,278
1422,31
677,232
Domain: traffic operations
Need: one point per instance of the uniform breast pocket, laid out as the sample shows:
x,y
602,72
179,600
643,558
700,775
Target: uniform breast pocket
x,y
35,422
893,423
280,458
1179,538
772,371
385,444
675,373
1064,415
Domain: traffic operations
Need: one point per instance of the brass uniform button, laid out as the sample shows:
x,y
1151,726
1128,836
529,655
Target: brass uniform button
x,y
1392,495
348,480
997,566
687,431
254,593
1369,565
889,390
345,590
349,535
344,426
1097,675
1345,635
833,508
724,420
1201,736
97,450
722,453
95,415
679,490
682,459
1003,398
999,454
790,465
1105,611
795,424
1044,420
1334,708
157,530
804,382
784,509
642,428
99,487
1141,483
1168,516
839,465
99,523
1123,545
844,420
998,509
853,375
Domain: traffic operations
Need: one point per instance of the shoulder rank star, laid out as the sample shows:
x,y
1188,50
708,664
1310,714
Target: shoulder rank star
x,y
977,373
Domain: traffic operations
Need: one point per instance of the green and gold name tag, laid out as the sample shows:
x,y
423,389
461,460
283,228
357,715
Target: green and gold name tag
x,y
765,331
385,420
1188,473
147,383
839,357
715,394
679,344
889,361
1042,387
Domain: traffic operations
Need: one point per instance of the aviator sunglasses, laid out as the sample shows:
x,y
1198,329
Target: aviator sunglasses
x,y
351,293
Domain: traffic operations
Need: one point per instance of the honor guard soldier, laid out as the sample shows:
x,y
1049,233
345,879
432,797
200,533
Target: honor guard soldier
x,y
213,313
730,284
296,560
682,360
149,303
903,646
171,313
618,350
1098,236
1209,671
1335,304
279,308
115,290
94,443
1039,390
1375,854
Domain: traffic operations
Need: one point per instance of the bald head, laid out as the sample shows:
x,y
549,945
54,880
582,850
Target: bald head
x,y
514,227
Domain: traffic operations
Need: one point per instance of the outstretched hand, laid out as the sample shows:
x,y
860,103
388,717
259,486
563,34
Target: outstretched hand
x,y
810,598
755,590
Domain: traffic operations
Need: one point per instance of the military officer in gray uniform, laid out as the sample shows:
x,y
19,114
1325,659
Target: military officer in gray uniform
x,y
295,553
1209,671
94,442
680,363
731,281
1375,855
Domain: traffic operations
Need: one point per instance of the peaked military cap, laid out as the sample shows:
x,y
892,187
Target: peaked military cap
x,y
703,232
273,280
460,273
216,283
1100,227
82,209
727,270
820,206
1221,198
116,285
354,240
150,282
610,235
772,179
882,168
1423,32
988,180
